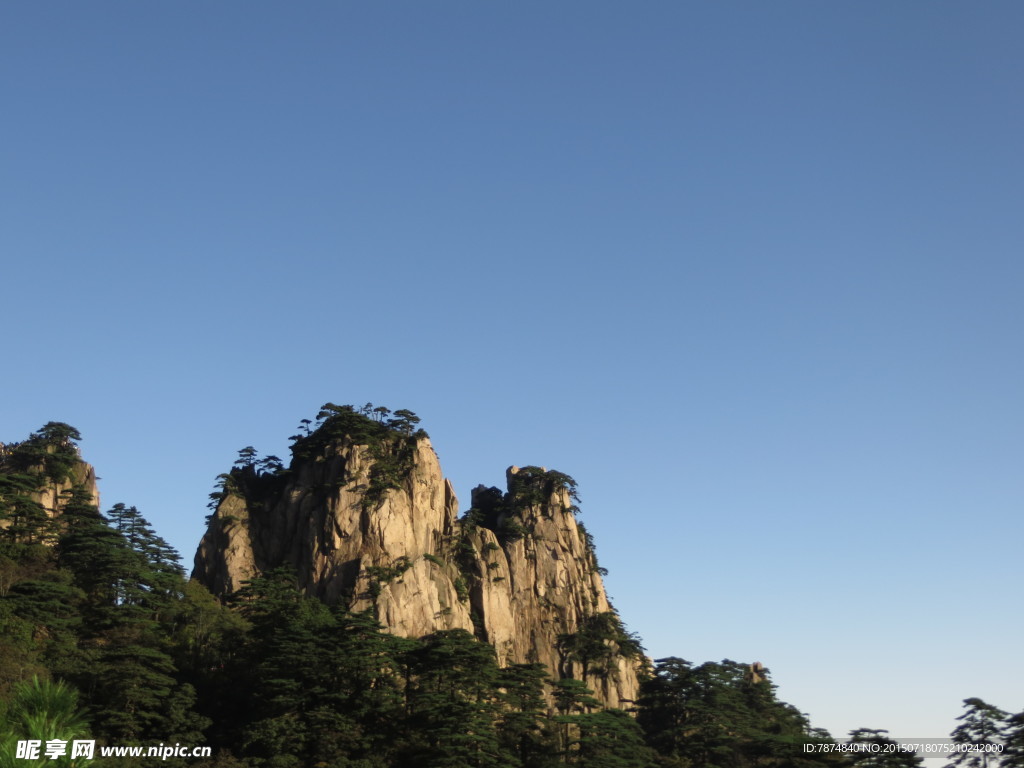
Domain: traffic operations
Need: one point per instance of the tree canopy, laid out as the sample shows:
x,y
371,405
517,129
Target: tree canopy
x,y
101,636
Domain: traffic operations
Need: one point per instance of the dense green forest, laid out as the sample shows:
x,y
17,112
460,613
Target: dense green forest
x,y
103,637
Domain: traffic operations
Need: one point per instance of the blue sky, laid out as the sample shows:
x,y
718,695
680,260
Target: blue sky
x,y
750,272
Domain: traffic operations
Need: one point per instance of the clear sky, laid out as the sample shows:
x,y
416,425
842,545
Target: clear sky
x,y
751,272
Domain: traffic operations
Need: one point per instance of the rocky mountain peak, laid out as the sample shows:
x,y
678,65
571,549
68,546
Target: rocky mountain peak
x,y
364,517
42,476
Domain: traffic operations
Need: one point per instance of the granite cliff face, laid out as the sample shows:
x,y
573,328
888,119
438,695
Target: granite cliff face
x,y
53,496
43,473
369,521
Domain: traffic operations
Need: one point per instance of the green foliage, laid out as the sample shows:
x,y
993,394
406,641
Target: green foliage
x,y
981,726
382,574
275,678
572,696
320,684
607,739
264,600
390,439
20,656
27,521
361,426
247,457
532,486
479,629
493,510
42,622
258,482
503,513
598,641
392,462
452,705
203,632
512,529
880,752
720,714
465,551
386,573
524,729
588,543
225,485
1013,739
50,452
130,583
49,456
41,710
89,598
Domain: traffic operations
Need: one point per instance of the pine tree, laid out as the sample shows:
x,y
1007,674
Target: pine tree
x,y
22,478
1013,738
27,522
319,686
41,710
981,727
664,712
452,704
522,728
288,716
124,664
609,739
721,714
572,699
44,622
882,752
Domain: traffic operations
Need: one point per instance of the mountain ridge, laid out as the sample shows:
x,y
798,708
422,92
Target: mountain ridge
x,y
365,518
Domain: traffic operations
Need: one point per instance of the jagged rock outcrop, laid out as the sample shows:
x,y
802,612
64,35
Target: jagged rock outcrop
x,y
53,496
41,474
538,588
372,523
342,548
